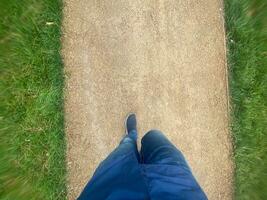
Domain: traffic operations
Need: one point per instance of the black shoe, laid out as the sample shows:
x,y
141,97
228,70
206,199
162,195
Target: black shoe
x,y
130,122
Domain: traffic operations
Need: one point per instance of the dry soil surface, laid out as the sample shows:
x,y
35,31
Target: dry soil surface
x,y
164,60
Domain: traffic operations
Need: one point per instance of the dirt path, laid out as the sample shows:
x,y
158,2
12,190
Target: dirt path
x,y
164,60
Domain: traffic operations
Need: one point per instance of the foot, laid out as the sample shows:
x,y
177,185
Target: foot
x,y
130,122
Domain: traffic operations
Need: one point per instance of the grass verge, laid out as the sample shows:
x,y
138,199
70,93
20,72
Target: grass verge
x,y
32,146
246,23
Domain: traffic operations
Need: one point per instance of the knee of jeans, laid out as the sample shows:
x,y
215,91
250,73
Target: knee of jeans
x,y
153,132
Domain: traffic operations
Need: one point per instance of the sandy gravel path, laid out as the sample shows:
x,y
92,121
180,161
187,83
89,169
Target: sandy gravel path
x,y
164,60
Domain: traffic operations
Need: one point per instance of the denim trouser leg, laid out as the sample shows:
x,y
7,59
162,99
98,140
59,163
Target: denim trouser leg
x,y
126,147
157,149
128,144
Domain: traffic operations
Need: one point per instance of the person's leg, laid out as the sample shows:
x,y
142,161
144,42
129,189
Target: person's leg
x,y
127,147
157,149
168,173
128,144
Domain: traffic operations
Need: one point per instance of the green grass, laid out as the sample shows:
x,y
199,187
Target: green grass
x,y
247,60
32,146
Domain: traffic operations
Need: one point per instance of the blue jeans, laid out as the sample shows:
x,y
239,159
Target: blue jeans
x,y
158,172
155,149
